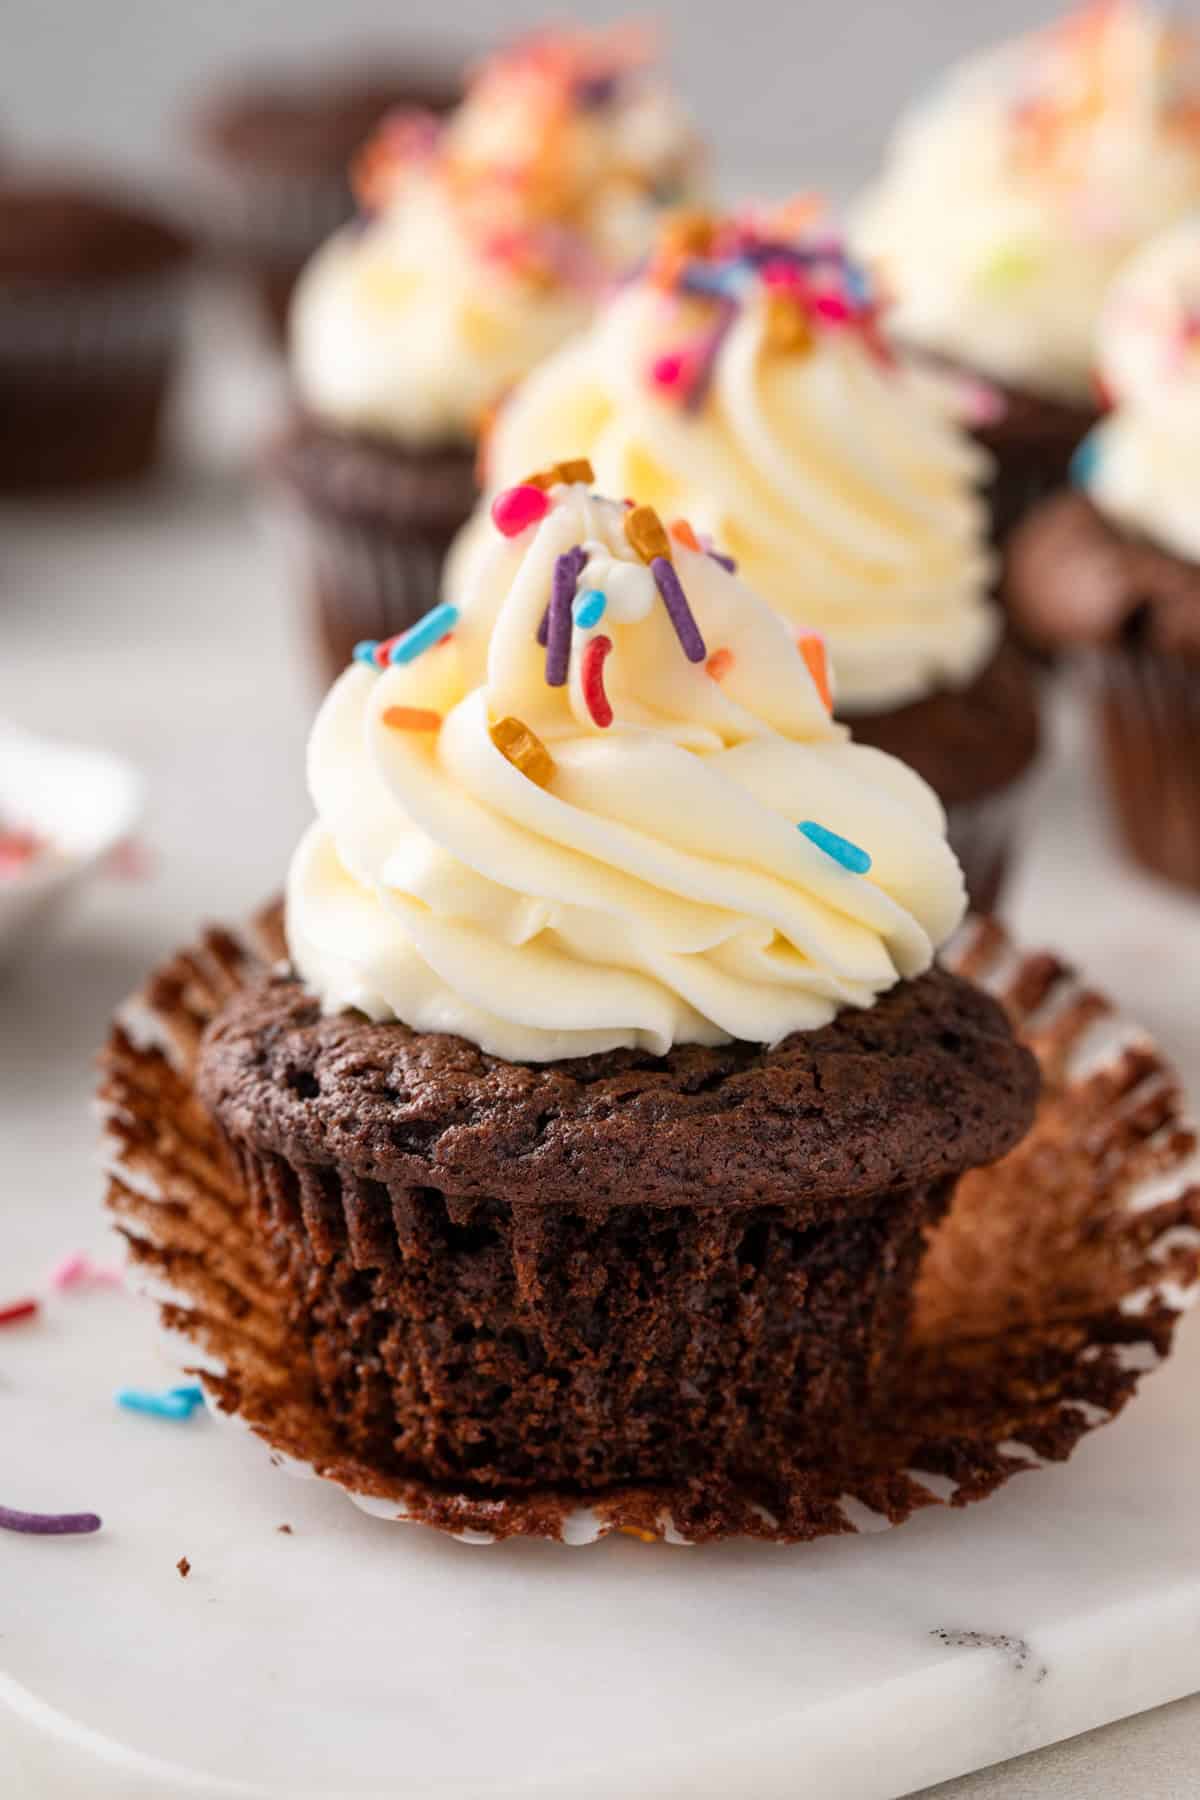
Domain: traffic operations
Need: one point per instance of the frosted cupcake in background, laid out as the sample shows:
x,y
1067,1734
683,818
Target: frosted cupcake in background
x,y
743,382
271,154
1009,200
486,242
1113,568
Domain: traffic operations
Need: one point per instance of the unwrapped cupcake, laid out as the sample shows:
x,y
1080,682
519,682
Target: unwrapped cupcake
x,y
1112,569
1011,197
612,1030
743,383
484,244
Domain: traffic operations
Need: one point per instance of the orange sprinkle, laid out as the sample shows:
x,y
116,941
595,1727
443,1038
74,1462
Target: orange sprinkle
x,y
719,664
643,1537
412,718
682,532
812,649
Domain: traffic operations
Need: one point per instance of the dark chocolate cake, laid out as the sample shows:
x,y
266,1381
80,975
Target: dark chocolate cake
x,y
617,1268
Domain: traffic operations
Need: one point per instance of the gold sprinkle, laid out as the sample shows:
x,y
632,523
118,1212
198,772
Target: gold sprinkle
x,y
786,327
524,750
575,468
688,232
645,532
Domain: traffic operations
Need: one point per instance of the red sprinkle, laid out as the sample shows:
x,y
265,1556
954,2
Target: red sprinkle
x,y
517,508
671,370
832,308
17,1310
591,674
719,664
382,651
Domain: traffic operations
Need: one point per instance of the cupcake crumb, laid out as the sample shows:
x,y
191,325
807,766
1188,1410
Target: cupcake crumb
x,y
286,1530
184,1567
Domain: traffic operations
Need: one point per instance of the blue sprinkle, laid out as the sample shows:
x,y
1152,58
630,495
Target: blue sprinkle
x,y
365,652
858,284
176,1403
839,848
1084,461
589,608
424,634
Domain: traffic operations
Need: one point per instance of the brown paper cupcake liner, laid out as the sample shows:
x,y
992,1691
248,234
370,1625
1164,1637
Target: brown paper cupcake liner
x,y
1148,715
363,580
1051,1287
84,372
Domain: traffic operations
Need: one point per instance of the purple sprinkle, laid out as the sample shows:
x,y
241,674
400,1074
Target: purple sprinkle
x,y
567,571
675,600
543,631
48,1524
702,379
726,562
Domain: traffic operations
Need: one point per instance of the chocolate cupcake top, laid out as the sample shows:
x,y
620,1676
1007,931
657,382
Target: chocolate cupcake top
x,y
485,240
1014,193
927,1083
57,227
743,380
599,802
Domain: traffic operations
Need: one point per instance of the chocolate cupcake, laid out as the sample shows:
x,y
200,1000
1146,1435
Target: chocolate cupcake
x,y
273,156
91,305
484,246
743,382
1011,197
594,1134
1111,571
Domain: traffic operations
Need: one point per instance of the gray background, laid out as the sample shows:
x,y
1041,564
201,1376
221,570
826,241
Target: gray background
x,y
799,92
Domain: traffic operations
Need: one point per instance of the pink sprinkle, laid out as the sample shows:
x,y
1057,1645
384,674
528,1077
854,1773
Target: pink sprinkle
x,y
832,308
131,861
781,274
78,1269
670,369
982,403
517,508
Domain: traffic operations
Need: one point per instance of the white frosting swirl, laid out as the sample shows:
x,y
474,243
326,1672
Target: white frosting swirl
x,y
848,498
491,242
657,890
1140,465
1014,193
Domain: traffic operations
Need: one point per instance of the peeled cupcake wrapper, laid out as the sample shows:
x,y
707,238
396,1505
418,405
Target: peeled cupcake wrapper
x,y
1054,1284
63,325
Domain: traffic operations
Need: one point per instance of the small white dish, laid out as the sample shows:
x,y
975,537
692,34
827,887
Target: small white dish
x,y
80,803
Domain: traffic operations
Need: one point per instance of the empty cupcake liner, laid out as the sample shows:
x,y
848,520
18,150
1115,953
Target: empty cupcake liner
x,y
1053,1285
1148,715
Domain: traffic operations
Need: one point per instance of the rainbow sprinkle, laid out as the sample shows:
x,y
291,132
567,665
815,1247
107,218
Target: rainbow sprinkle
x,y
424,635
840,849
48,1524
567,570
517,508
682,618
412,718
591,677
18,1310
176,1403
590,608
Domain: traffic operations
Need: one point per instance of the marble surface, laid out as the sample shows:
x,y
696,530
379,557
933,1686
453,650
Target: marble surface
x,y
353,1658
